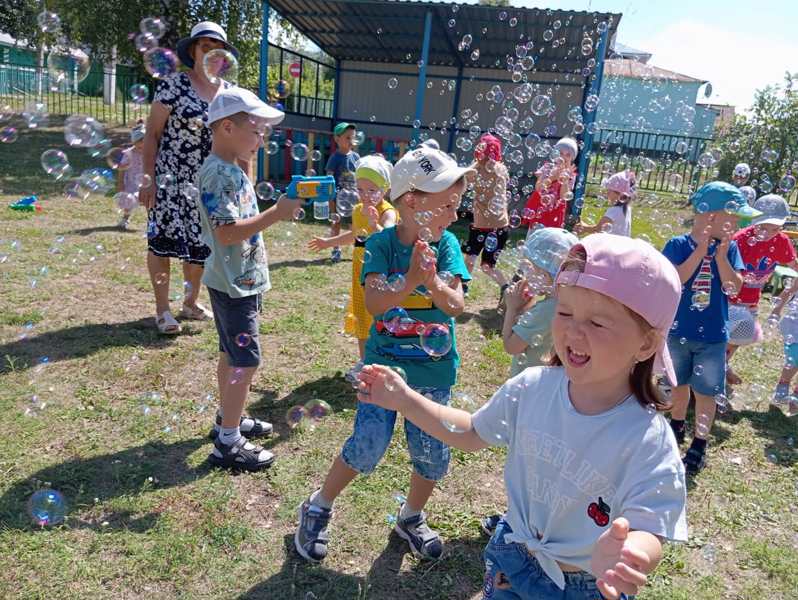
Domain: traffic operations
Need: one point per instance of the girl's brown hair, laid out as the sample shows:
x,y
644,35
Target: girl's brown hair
x,y
641,378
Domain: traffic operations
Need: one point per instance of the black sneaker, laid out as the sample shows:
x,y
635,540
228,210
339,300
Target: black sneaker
x,y
679,434
311,537
694,460
424,543
335,255
259,429
241,455
489,524
465,290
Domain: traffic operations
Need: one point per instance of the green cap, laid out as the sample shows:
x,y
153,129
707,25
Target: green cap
x,y
341,127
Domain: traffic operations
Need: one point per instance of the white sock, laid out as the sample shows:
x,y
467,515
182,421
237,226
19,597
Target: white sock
x,y
229,435
406,513
319,500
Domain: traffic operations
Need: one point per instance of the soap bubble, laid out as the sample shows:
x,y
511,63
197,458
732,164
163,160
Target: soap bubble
x,y
153,26
139,93
299,214
243,339
541,105
66,64
393,318
160,62
145,42
264,190
83,131
299,152
35,114
164,180
295,415
272,148
142,181
8,135
491,242
126,201
345,201
317,409
358,138
47,507
116,158
392,83
220,64
282,89
48,22
55,162
396,282
436,339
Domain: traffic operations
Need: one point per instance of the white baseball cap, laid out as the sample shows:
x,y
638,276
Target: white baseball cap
x,y
425,169
235,100
774,209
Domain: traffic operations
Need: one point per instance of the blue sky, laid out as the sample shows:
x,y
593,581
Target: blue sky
x,y
738,46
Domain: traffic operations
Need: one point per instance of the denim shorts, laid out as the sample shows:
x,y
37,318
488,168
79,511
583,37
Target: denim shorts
x,y
373,432
791,356
524,576
700,365
237,325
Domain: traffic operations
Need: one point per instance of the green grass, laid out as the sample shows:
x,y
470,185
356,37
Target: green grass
x,y
147,518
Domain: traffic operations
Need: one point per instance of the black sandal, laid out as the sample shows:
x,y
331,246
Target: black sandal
x,y
260,429
241,455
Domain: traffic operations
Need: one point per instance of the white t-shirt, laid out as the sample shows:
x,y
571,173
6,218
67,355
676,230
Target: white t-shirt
x,y
569,475
621,223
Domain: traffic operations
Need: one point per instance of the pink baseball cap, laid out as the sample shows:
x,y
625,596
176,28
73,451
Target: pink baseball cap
x,y
622,182
638,276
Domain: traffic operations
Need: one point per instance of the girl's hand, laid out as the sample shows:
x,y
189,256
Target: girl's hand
x,y
147,197
382,386
518,296
318,243
619,567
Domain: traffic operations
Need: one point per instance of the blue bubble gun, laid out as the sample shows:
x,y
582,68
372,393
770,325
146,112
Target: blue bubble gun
x,y
320,189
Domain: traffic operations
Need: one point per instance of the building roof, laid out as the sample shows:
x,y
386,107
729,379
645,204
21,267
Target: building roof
x,y
624,67
620,50
392,31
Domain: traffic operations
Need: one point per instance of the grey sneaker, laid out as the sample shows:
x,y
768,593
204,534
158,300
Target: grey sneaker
x,y
311,537
780,394
424,543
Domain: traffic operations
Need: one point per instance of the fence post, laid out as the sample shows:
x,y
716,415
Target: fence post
x,y
309,159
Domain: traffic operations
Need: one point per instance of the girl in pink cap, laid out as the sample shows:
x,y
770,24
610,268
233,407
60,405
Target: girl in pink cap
x,y
593,476
621,190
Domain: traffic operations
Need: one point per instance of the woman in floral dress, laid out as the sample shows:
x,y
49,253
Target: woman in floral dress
x,y
176,144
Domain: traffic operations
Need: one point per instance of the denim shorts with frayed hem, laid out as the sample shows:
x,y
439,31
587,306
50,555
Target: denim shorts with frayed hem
x,y
700,365
373,432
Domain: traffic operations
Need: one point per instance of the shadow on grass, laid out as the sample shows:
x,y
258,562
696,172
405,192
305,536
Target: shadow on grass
x,y
771,425
488,319
86,231
334,390
81,341
455,577
106,477
301,262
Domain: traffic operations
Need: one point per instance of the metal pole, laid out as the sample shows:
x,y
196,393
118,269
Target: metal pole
x,y
263,75
422,74
455,108
336,91
588,118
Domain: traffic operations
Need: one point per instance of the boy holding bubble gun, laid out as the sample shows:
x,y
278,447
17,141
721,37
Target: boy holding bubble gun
x,y
415,271
372,214
236,272
709,266
319,190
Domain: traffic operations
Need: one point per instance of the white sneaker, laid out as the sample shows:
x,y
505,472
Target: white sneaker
x,y
351,374
124,222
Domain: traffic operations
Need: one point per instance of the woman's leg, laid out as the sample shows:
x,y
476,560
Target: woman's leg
x,y
192,274
158,267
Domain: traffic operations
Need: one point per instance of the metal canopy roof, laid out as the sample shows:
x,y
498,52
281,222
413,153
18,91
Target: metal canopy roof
x,y
392,31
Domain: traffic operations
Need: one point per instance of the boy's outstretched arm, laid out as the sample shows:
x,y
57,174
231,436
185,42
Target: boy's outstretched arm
x,y
384,387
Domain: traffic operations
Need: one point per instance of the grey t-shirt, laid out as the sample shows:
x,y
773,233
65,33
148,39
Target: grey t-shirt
x,y
534,327
227,196
569,475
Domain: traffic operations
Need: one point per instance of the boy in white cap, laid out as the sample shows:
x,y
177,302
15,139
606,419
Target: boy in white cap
x,y
236,271
405,276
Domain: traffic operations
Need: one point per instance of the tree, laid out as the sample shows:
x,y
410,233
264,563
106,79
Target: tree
x,y
767,139
494,2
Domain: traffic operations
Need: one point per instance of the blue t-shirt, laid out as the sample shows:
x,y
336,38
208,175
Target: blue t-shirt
x,y
342,168
402,347
703,308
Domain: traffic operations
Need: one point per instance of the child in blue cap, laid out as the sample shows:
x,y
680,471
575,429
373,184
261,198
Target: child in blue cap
x,y
710,268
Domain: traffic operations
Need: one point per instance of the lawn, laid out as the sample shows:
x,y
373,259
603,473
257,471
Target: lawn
x,y
96,405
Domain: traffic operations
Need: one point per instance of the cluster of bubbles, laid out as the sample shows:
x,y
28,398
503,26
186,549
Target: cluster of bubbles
x,y
159,62
311,413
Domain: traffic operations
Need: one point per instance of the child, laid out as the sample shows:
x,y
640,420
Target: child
x,y
371,215
341,165
617,219
129,178
490,229
236,271
709,266
553,188
593,478
789,329
424,179
762,247
527,323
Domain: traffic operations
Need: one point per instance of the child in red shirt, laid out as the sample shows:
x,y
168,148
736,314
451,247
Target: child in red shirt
x,y
762,246
553,188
